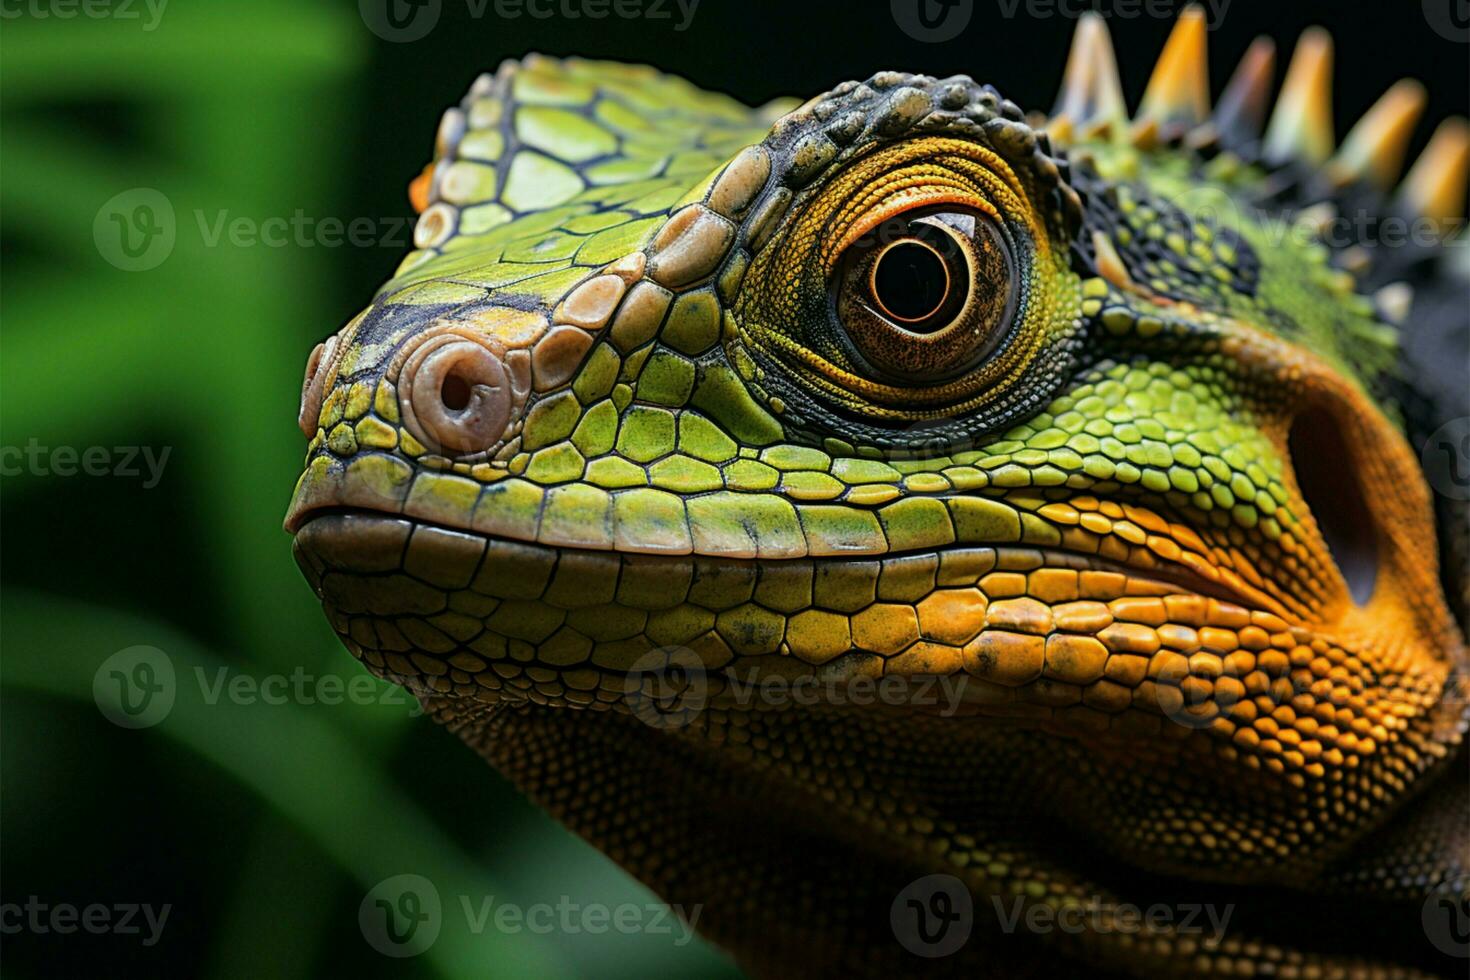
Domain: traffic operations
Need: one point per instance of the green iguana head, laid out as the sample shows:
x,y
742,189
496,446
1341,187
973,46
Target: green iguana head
x,y
1069,441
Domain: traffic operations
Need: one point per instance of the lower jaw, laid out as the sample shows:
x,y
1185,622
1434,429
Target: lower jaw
x,y
795,836
1039,638
1148,683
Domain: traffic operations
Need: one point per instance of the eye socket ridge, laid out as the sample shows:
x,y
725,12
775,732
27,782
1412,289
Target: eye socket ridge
x,y
926,295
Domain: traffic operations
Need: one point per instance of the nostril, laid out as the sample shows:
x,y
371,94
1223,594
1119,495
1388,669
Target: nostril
x,y
455,392
1329,484
455,395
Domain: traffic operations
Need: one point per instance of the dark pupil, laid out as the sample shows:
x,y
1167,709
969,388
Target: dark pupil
x,y
910,281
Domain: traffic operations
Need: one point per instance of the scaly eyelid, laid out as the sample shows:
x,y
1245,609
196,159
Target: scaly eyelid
x,y
932,171
911,199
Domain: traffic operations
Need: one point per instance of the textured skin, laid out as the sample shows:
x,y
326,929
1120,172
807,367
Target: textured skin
x,y
1097,538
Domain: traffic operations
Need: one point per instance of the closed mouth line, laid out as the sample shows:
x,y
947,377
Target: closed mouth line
x,y
1181,578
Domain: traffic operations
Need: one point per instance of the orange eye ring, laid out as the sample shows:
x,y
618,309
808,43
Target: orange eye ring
x,y
882,281
927,298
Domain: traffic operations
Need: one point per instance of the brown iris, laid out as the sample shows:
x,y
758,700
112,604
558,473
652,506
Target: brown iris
x,y
926,296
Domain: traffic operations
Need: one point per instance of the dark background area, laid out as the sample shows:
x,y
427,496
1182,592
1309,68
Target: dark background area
x,y
263,826
757,52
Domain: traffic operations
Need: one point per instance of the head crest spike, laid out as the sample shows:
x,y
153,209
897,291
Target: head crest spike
x,y
1374,148
1241,111
1393,302
1435,185
1179,89
1059,128
1091,92
1109,264
1145,134
1315,219
1301,125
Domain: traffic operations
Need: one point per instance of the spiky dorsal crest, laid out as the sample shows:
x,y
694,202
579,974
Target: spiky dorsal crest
x,y
1299,134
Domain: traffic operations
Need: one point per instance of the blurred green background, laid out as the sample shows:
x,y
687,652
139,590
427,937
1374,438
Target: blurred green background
x,y
262,826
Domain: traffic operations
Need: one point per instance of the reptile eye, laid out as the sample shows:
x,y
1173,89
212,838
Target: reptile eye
x,y
910,282
927,297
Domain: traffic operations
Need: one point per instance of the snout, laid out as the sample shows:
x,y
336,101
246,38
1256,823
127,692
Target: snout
x,y
392,395
461,382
